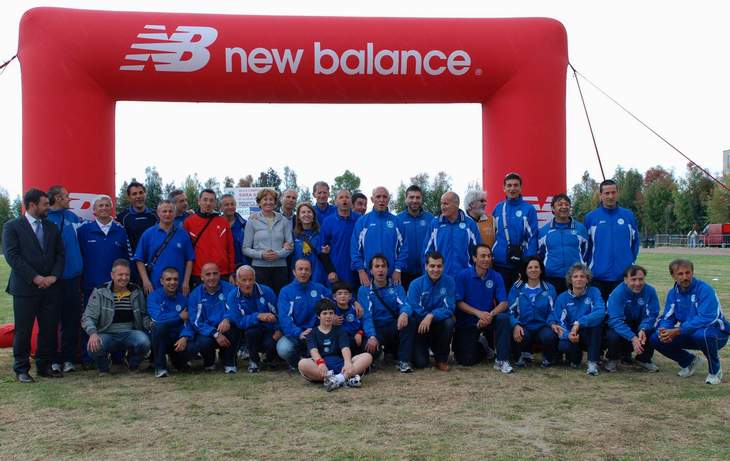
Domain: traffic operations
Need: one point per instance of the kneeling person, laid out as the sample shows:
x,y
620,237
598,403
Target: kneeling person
x,y
329,347
168,309
347,315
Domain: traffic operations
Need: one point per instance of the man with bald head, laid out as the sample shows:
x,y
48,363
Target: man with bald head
x,y
379,232
454,235
336,233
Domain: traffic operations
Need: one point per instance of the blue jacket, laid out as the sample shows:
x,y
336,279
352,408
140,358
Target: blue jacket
x,y
375,313
237,231
336,231
378,232
164,309
307,246
296,306
456,241
244,310
613,243
350,322
531,311
587,309
520,220
99,251
415,231
626,306
322,215
205,310
561,245
73,263
428,297
697,307
482,293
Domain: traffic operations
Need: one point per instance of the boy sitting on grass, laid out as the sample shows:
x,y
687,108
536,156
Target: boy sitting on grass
x,y
331,361
347,316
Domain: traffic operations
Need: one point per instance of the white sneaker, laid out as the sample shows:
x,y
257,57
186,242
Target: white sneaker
x,y
503,366
648,366
330,383
161,373
610,366
688,371
230,370
592,369
714,379
209,368
56,367
355,381
68,367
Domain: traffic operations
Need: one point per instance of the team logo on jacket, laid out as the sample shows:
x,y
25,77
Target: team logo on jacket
x,y
176,52
313,293
489,284
692,298
443,291
641,301
422,222
350,317
620,221
391,291
327,343
587,301
221,297
518,213
574,232
462,225
179,245
178,308
389,224
262,300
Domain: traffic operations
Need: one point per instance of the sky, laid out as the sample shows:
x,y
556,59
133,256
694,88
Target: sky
x,y
666,61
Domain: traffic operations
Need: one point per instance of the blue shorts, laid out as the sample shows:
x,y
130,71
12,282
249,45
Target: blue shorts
x,y
334,363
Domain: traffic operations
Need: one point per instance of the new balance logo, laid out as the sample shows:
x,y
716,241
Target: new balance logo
x,y
184,50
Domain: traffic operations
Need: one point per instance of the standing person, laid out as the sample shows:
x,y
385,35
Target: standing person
x,y
614,239
415,222
164,245
563,242
516,231
692,320
360,203
378,232
336,232
69,285
578,318
454,235
33,249
211,237
476,201
288,205
238,226
268,241
308,243
137,218
692,237
633,308
180,200
168,310
321,193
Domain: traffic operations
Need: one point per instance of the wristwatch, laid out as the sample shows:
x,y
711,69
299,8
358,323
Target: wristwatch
x,y
216,334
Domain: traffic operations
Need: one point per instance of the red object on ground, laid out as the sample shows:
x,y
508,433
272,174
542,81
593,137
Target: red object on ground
x,y
7,333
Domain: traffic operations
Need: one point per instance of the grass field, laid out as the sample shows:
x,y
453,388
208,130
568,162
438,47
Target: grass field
x,y
468,413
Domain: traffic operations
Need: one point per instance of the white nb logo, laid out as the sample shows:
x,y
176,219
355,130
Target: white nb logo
x,y
178,52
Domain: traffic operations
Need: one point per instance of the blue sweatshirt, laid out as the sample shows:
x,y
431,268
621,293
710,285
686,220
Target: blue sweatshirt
x,y
428,297
350,322
561,245
237,231
415,231
518,219
531,309
244,310
165,309
378,232
587,309
613,243
376,313
206,310
336,231
323,214
99,251
482,293
73,264
307,245
637,308
694,308
296,306
456,241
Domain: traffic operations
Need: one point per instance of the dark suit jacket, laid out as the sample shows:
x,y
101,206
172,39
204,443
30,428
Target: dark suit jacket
x,y
26,257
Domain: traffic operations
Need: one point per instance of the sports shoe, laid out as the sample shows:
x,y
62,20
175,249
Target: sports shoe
x,y
488,351
648,366
688,371
611,366
243,353
355,381
68,367
714,378
230,370
209,368
592,369
253,367
330,383
404,367
546,363
526,356
503,366
56,367
161,373
520,363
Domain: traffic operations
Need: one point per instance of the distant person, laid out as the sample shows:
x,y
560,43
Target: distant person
x,y
211,237
180,201
454,235
416,223
336,234
692,237
321,193
475,202
137,218
613,243
289,205
359,203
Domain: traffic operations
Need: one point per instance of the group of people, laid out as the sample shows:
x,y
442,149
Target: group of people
x,y
331,288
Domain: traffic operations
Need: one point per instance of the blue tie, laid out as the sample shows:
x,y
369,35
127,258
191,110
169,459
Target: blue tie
x,y
39,233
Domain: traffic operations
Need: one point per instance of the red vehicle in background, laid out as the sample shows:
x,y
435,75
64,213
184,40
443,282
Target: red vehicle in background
x,y
716,235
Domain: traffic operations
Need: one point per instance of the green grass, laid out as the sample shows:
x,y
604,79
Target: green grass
x,y
469,413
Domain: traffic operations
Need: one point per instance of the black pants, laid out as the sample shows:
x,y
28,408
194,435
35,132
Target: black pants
x,y
164,337
605,287
273,277
207,345
69,317
395,340
260,339
469,351
619,347
544,336
406,278
590,341
438,338
559,283
26,309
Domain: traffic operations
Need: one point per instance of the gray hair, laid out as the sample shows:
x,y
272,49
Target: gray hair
x,y
575,268
320,184
100,198
473,196
245,267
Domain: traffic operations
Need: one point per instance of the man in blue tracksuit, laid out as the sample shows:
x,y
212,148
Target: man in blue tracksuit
x,y
516,231
633,308
454,235
238,226
252,307
692,319
481,309
297,313
386,320
336,233
577,319
168,309
562,242
378,232
613,243
208,328
415,222
69,292
431,301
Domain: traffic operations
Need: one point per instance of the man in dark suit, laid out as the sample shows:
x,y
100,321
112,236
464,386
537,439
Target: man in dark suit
x,y
34,250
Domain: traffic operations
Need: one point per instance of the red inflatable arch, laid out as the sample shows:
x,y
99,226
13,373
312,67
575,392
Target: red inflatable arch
x,y
77,64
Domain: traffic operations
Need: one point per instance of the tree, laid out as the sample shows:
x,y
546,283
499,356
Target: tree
x,y
192,187
169,187
246,181
584,196
212,183
153,184
228,182
122,200
432,191
718,207
630,184
658,206
5,210
691,199
347,180
269,178
290,179
305,195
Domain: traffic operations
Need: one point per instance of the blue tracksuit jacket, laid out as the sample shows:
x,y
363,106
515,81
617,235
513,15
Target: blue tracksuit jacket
x,y
99,251
520,220
378,232
296,306
638,308
307,246
587,309
206,310
350,322
244,310
694,308
237,230
375,312
613,242
454,240
561,245
165,309
530,310
428,297
416,231
336,231
73,264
